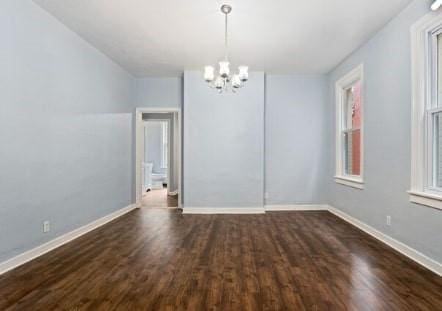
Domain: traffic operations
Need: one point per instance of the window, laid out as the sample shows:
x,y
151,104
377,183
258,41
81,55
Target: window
x,y
164,144
352,130
426,152
437,123
349,133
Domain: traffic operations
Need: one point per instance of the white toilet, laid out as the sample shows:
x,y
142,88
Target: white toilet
x,y
147,167
158,179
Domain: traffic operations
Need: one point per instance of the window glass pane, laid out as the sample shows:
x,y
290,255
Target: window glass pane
x,y
352,154
164,128
352,134
439,68
164,141
356,119
437,149
348,153
348,109
353,107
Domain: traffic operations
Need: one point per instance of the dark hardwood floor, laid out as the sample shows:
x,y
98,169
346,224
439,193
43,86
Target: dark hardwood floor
x,y
153,259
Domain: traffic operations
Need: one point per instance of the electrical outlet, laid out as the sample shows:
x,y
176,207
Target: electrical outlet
x,y
46,226
388,220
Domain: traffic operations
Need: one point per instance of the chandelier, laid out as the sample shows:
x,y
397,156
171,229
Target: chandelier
x,y
224,81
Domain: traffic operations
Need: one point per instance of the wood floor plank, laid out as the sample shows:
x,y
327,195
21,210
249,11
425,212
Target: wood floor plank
x,y
153,259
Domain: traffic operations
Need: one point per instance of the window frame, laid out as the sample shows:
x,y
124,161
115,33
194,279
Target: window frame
x,y
342,85
424,105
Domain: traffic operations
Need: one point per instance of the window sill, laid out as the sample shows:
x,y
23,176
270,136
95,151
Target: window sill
x,y
427,199
351,182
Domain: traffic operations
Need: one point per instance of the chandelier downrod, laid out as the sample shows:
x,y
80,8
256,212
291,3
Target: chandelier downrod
x,y
226,9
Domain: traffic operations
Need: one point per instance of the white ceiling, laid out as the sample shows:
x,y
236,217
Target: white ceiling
x,y
162,38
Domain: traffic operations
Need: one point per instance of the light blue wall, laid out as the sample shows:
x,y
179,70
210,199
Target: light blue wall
x,y
295,107
223,144
295,139
159,92
387,109
65,130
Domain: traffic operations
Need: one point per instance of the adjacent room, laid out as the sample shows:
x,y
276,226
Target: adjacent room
x,y
221,155
160,161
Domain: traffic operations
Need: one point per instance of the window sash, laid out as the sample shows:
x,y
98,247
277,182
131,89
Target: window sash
x,y
347,113
434,85
432,147
345,151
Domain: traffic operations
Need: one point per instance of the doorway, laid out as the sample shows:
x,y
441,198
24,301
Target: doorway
x,y
158,158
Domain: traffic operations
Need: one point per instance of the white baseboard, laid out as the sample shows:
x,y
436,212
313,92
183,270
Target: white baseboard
x,y
254,210
296,207
402,248
59,241
223,210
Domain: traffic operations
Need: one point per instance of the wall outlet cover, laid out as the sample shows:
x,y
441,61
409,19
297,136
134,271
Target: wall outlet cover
x,y
46,226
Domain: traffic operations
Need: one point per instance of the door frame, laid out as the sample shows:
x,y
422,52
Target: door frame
x,y
139,149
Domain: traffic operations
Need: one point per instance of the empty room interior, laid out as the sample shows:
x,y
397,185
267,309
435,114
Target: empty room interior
x,y
221,155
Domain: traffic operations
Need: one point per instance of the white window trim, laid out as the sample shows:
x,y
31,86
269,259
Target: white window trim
x,y
342,85
423,79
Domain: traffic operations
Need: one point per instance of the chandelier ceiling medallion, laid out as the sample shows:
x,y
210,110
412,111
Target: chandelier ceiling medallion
x,y
224,81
